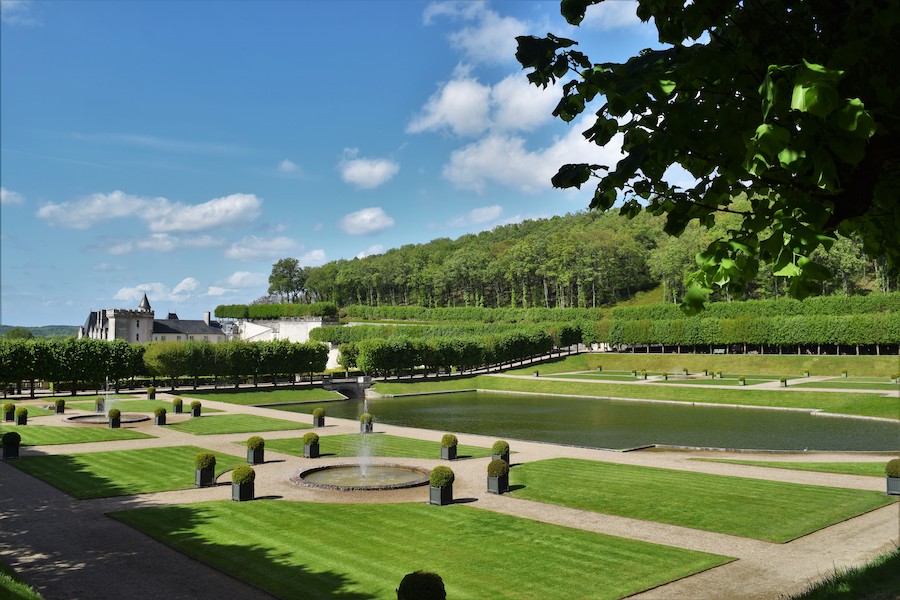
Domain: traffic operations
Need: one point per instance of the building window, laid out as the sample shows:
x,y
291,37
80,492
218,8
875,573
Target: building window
x,y
177,338
137,337
163,337
190,337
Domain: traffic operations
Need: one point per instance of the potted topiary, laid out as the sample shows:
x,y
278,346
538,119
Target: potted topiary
x,y
11,441
9,410
242,483
441,491
806,373
21,416
643,373
895,378
500,450
498,476
421,584
742,380
114,418
60,406
719,374
151,393
195,408
205,469
311,445
448,447
319,417
177,405
783,381
365,423
665,376
711,373
684,372
256,450
159,416
844,373
892,471
99,405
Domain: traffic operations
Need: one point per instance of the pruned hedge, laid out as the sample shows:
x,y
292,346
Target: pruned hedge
x,y
276,311
471,313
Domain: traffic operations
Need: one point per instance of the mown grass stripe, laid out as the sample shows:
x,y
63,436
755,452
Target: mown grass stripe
x,y
49,435
235,424
870,469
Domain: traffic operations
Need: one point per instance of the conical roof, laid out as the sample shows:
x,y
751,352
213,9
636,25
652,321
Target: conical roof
x,y
145,304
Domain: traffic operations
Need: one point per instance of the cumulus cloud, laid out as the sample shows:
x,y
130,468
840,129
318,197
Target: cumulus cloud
x,y
186,286
247,279
156,242
253,248
289,167
9,197
365,221
214,290
487,37
17,12
371,251
313,258
160,214
158,291
478,216
366,173
611,15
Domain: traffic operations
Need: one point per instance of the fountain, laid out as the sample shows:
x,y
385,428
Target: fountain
x,y
102,418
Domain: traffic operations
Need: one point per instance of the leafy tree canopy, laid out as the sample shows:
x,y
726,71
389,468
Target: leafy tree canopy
x,y
18,333
288,279
791,102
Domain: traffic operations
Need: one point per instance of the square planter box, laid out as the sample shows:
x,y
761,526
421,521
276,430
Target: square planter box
x,y
160,420
10,452
21,420
195,412
440,496
99,406
151,395
9,415
115,423
504,457
241,492
61,409
365,427
318,421
257,456
204,477
310,451
498,485
177,409
893,486
448,453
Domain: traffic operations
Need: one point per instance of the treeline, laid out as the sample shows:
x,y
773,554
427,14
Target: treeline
x,y
275,311
89,364
471,314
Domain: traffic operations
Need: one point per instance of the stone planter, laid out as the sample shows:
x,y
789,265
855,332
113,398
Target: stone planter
x,y
99,406
365,427
498,485
9,415
159,420
205,477
21,420
783,383
310,450
61,408
10,451
195,411
256,456
241,492
448,453
893,486
151,394
115,423
440,496
318,421
177,408
504,456
741,382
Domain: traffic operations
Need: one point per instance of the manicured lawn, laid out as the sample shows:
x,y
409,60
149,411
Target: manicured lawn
x,y
848,384
877,580
235,424
34,410
267,396
600,376
765,510
324,551
376,444
142,406
871,469
730,381
121,472
46,435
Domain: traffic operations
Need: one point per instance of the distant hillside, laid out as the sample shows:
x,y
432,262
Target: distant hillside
x,y
46,330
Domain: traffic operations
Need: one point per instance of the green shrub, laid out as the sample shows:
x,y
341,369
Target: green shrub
x,y
177,403
256,443
11,438
892,468
160,412
114,413
500,447
59,403
421,584
365,418
205,460
782,379
21,412
441,477
497,468
243,474
195,404
8,407
98,402
311,439
319,412
151,390
742,379
449,441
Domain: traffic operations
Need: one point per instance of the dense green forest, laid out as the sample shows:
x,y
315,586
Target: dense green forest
x,y
50,331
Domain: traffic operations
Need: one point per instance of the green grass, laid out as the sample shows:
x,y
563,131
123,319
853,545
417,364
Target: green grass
x,y
35,410
599,376
11,586
268,396
870,469
324,551
121,472
142,406
870,405
235,424
845,384
877,580
754,508
378,445
46,435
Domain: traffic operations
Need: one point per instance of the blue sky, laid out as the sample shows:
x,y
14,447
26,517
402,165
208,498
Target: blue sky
x,y
180,148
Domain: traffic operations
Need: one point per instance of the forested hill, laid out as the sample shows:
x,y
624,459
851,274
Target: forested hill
x,y
45,330
585,260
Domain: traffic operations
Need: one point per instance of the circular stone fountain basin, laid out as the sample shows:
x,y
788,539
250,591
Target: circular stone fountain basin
x,y
100,419
352,477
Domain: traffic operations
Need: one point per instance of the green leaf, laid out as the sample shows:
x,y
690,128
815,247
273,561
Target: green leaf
x,y
571,176
694,299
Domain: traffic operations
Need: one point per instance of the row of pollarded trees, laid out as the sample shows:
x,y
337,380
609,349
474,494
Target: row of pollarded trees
x,y
88,363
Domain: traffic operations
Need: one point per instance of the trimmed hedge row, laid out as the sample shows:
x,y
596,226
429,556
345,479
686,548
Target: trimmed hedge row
x,y
562,334
276,311
472,313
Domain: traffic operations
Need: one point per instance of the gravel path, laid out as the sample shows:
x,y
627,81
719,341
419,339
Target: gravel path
x,y
70,550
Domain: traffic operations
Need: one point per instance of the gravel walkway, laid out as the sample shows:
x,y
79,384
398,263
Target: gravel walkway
x,y
70,550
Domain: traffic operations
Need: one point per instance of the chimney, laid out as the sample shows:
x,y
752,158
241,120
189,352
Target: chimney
x,y
206,317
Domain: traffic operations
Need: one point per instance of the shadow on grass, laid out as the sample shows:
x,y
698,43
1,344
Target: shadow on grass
x,y
78,481
515,487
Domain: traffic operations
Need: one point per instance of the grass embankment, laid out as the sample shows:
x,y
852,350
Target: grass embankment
x,y
121,472
843,384
767,510
869,469
378,444
141,406
45,435
877,580
322,551
235,424
868,405
263,397
744,364
11,586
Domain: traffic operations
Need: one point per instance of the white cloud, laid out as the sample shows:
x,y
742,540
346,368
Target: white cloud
x,y
487,38
519,106
366,173
287,166
477,216
187,285
313,258
371,251
365,221
611,15
158,242
253,248
9,197
246,279
215,291
160,214
17,12
458,9
107,267
157,291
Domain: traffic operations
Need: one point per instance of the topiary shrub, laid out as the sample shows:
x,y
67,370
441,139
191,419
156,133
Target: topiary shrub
x,y
59,403
449,441
114,413
365,418
441,477
195,404
98,404
160,412
421,584
500,447
21,412
205,460
243,474
311,439
9,407
11,438
177,403
255,442
151,393
892,468
497,468
318,413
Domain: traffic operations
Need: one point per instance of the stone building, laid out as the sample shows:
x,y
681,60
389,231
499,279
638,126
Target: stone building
x,y
140,325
